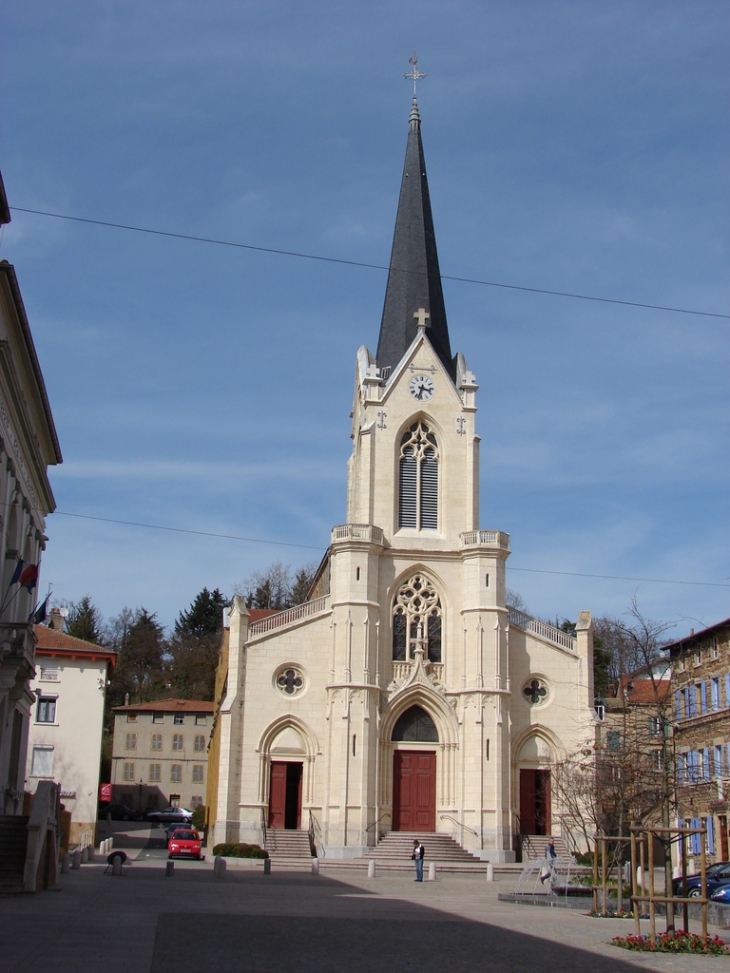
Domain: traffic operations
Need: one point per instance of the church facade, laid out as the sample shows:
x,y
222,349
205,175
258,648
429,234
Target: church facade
x,y
404,694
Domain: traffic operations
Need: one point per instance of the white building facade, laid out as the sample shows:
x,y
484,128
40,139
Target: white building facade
x,y
67,721
404,695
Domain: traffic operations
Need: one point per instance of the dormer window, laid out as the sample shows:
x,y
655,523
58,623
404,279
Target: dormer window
x,y
419,479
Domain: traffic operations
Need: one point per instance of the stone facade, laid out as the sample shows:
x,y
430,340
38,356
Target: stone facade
x,y
28,446
701,686
407,695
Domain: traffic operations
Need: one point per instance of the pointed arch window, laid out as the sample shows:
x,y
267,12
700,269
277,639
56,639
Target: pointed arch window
x,y
418,478
417,616
415,726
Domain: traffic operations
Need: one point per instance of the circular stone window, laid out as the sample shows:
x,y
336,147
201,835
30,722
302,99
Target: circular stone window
x,y
535,691
289,680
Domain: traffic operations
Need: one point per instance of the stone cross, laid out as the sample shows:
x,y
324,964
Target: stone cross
x,y
423,317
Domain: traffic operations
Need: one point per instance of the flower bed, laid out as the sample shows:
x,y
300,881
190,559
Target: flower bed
x,y
674,942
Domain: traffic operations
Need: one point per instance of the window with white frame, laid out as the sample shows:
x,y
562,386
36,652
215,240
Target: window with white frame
x,y
657,760
177,741
417,620
130,742
156,741
199,743
46,709
176,773
42,762
155,772
128,771
198,770
418,479
719,761
715,692
195,801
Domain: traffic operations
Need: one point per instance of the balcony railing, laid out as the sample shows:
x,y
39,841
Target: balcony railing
x,y
290,615
485,538
357,532
402,670
549,632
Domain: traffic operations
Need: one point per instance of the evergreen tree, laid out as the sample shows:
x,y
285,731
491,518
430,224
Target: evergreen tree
x,y
193,649
140,644
204,617
84,621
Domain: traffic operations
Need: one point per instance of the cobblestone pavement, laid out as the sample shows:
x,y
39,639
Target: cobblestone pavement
x,y
293,921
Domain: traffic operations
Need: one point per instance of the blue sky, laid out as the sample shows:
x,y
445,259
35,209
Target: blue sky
x,y
572,146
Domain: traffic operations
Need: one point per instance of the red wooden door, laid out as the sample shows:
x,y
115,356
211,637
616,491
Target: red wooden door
x,y
277,795
414,791
527,802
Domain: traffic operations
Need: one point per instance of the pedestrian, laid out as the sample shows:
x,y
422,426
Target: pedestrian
x,y
550,855
418,852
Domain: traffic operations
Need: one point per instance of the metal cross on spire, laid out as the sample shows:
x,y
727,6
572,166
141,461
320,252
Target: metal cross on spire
x,y
414,74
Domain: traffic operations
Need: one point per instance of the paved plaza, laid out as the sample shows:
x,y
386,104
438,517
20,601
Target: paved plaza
x,y
295,922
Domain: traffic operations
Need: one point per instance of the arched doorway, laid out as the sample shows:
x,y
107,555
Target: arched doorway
x,y
414,772
533,763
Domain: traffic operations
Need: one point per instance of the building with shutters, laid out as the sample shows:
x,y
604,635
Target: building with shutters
x,y
701,686
160,754
404,694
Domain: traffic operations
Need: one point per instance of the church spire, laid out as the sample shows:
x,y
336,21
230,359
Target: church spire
x,y
414,279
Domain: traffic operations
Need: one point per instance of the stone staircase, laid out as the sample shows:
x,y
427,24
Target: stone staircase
x,y
288,845
13,843
533,846
397,846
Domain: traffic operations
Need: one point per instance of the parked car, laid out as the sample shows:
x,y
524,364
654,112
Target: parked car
x,y
120,812
722,895
170,814
184,843
718,875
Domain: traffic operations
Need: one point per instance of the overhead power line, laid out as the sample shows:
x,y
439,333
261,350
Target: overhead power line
x,y
313,547
369,266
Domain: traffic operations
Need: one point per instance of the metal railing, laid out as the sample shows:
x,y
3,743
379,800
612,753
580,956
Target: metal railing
x,y
316,842
263,827
290,615
450,817
549,632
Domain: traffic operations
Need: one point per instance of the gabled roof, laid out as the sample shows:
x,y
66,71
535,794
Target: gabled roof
x,y
168,706
414,278
51,640
696,636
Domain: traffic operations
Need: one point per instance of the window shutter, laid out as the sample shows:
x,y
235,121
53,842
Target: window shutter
x,y
696,838
407,499
429,491
703,695
678,704
706,768
710,837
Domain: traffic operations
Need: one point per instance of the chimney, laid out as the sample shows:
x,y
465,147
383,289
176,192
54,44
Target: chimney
x,y
126,699
55,619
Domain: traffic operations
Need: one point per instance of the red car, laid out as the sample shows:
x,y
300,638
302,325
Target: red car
x,y
184,843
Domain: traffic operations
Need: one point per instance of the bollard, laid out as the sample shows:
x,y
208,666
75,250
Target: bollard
x,y
84,855
117,866
432,871
267,866
109,843
639,877
65,864
490,872
219,867
90,852
315,866
371,868
76,860
169,869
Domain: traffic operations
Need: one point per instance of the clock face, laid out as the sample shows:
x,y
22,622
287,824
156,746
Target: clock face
x,y
421,387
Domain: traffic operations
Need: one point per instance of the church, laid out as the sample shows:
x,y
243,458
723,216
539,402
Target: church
x,y
404,694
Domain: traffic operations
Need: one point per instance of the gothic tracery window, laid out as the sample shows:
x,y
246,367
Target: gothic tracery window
x,y
418,478
417,614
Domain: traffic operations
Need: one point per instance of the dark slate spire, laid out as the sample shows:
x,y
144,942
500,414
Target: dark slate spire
x,y
414,279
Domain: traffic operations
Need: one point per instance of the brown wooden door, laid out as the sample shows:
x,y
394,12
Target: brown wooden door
x,y
414,791
277,795
534,801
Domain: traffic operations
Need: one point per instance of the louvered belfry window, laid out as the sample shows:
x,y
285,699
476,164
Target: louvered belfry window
x,y
417,618
419,479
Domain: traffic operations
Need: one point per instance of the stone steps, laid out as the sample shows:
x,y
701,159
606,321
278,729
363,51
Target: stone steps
x,y
398,846
289,845
13,844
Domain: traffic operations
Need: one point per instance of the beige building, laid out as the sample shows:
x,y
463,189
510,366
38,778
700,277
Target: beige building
x,y
67,722
404,695
159,753
28,446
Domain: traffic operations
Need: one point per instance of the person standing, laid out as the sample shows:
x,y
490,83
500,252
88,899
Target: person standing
x,y
418,852
550,856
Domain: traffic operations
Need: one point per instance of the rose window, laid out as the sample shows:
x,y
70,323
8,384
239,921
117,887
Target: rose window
x,y
535,692
290,681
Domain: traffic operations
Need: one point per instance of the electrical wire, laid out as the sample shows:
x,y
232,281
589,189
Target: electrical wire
x,y
313,547
369,266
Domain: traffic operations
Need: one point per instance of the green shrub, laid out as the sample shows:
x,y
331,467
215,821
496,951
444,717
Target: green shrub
x,y
231,849
198,821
